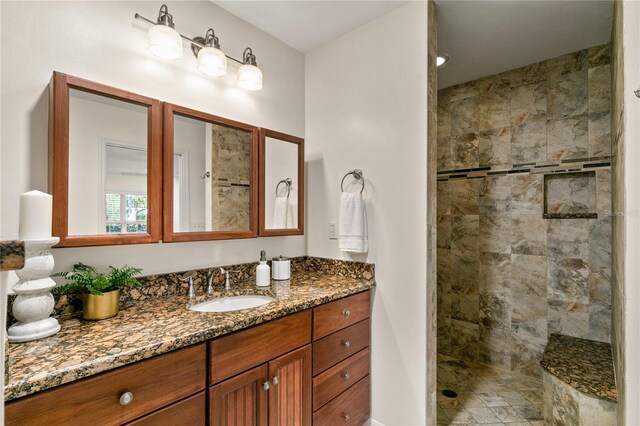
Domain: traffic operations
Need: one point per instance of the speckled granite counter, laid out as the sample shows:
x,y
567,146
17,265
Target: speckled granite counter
x,y
11,255
146,328
585,365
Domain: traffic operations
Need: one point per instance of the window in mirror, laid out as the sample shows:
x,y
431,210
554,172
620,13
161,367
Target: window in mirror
x,y
282,181
211,190
102,138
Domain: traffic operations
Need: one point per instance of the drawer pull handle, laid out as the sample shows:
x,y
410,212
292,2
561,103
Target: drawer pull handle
x,y
346,312
126,398
346,417
346,344
266,386
275,380
346,376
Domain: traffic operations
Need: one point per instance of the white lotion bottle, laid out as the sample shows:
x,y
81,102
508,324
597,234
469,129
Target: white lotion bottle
x,y
263,271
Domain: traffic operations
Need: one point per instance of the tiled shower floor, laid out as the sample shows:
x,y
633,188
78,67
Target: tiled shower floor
x,y
486,395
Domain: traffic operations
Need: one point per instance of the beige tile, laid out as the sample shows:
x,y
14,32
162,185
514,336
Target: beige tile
x,y
492,399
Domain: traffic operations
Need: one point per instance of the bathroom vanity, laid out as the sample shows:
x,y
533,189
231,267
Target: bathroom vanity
x,y
301,359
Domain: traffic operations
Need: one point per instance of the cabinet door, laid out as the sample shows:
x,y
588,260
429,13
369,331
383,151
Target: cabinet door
x,y
241,400
290,393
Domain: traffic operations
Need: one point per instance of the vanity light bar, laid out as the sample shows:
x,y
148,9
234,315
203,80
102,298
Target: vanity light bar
x,y
166,42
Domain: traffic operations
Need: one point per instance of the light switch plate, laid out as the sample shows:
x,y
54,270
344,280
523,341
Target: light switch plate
x,y
333,230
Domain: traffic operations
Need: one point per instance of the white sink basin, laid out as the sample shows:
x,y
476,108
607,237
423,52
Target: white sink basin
x,y
232,303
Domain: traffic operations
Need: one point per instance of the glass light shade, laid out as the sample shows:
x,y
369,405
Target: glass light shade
x,y
165,42
212,62
250,77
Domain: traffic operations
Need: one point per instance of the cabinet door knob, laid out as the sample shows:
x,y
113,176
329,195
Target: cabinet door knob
x,y
346,376
346,312
346,417
266,385
275,380
346,344
126,398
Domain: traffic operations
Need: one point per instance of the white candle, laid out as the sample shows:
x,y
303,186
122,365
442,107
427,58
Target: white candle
x,y
35,215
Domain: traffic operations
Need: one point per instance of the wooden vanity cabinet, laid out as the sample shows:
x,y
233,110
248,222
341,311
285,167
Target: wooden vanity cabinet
x,y
310,367
277,388
151,384
341,389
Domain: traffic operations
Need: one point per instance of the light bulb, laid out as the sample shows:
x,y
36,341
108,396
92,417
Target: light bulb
x,y
441,59
212,61
250,77
165,42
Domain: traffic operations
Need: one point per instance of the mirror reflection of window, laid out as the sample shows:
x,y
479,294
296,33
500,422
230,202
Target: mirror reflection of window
x,y
281,199
125,189
107,165
212,169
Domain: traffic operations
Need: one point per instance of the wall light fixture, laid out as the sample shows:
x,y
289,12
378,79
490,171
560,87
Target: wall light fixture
x,y
165,42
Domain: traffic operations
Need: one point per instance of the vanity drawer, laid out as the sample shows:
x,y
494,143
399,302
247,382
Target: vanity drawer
x,y
154,383
334,348
350,408
191,411
341,313
237,352
335,380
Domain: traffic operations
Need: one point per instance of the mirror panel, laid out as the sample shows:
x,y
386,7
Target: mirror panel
x,y
211,181
281,184
105,164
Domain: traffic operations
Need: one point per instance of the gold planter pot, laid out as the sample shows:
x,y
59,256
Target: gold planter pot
x,y
100,307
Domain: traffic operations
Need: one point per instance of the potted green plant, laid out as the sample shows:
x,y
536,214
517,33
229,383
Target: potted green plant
x,y
100,292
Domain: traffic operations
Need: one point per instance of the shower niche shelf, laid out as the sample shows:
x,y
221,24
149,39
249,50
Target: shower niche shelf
x,y
570,195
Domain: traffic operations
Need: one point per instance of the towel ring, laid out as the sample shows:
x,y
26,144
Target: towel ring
x,y
287,182
357,173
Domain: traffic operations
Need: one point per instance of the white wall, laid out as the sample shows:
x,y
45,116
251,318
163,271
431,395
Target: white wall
x,y
366,107
92,122
101,41
281,162
631,47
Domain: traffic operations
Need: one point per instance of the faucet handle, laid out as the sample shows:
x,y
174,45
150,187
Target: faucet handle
x,y
189,277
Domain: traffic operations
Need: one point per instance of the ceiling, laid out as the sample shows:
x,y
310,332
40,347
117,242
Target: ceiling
x,y
305,25
487,37
481,37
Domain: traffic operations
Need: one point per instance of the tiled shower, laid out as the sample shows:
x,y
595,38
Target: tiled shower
x,y
524,210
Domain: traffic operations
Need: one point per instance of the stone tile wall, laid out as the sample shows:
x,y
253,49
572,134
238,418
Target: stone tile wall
x,y
231,174
508,277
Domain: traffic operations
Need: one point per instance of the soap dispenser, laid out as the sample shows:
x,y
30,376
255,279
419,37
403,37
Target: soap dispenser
x,y
263,271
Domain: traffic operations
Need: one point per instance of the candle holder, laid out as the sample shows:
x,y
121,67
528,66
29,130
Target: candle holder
x,y
34,302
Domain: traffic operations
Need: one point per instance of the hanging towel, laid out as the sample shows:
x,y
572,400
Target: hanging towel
x,y
292,208
353,235
281,213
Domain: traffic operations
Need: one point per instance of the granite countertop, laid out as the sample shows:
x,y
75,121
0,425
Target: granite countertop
x,y
11,255
147,328
585,365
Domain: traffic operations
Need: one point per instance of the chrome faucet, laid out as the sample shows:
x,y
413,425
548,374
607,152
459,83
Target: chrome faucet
x,y
227,281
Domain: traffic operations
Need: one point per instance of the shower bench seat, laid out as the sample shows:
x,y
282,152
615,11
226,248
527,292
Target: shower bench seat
x,y
579,382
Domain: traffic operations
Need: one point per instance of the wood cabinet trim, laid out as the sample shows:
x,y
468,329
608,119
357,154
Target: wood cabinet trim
x,y
263,231
330,317
255,378
59,161
330,350
331,382
264,342
189,411
169,235
297,403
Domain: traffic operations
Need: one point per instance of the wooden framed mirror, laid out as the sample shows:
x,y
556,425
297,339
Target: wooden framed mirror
x,y
105,164
210,177
281,184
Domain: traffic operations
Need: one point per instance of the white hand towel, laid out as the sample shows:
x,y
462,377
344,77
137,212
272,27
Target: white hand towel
x,y
292,211
280,213
353,235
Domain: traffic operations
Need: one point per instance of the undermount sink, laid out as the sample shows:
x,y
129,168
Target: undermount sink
x,y
232,303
